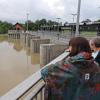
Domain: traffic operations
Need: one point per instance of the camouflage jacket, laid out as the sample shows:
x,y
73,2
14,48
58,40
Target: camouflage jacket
x,y
73,78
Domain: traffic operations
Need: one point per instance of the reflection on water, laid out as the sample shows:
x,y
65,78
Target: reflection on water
x,y
17,62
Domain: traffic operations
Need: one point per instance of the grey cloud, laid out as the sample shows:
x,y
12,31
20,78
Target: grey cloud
x,y
15,10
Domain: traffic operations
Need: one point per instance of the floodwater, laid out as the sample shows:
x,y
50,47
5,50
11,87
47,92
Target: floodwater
x,y
17,63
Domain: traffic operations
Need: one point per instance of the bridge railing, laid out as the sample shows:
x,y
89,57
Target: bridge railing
x,y
15,31
32,87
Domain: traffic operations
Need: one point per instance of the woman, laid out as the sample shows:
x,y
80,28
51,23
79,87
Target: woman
x,y
74,77
95,46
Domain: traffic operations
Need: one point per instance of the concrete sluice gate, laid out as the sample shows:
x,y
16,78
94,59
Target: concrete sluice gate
x,y
47,49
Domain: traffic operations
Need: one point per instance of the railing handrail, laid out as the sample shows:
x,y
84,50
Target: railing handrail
x,y
27,84
15,31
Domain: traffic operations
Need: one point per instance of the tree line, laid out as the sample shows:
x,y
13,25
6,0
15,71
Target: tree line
x,y
32,26
5,26
38,23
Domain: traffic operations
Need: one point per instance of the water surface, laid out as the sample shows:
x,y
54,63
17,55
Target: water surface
x,y
17,63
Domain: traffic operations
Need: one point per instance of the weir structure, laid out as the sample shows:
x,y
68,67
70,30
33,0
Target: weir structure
x,y
33,86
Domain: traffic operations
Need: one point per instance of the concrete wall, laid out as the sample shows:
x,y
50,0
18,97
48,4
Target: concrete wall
x,y
14,36
29,38
35,44
49,52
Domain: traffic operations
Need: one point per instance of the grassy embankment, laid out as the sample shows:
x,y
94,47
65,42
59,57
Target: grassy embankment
x,y
89,34
83,33
3,37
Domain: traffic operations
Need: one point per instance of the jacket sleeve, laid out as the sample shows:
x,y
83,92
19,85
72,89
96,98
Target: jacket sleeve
x,y
57,71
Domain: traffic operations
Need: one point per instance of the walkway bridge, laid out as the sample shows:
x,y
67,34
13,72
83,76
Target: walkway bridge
x,y
32,87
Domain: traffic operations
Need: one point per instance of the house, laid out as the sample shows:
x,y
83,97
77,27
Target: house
x,y
18,27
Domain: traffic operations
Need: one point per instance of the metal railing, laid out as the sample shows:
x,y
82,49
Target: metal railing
x,y
15,31
31,87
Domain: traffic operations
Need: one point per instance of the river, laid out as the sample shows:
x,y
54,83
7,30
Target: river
x,y
17,62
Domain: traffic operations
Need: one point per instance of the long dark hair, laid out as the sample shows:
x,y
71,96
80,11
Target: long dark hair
x,y
79,44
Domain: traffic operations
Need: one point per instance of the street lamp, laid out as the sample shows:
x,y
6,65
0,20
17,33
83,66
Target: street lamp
x,y
27,21
78,17
58,27
73,16
73,31
58,22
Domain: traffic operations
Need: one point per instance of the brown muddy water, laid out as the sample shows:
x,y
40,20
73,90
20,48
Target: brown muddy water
x,y
17,63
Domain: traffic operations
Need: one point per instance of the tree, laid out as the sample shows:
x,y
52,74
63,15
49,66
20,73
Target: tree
x,y
86,21
98,20
43,22
4,27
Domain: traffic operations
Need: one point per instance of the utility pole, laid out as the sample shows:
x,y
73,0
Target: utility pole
x,y
27,21
73,16
78,17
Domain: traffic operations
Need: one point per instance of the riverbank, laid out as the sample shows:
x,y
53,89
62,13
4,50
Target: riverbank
x,y
3,37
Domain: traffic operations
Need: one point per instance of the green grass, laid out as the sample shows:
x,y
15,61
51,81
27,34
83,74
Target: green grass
x,y
3,37
84,33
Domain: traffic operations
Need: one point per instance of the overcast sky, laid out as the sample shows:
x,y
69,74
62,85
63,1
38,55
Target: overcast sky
x,y
16,10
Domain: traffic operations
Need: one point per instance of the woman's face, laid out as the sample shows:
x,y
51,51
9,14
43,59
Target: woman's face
x,y
70,48
92,45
